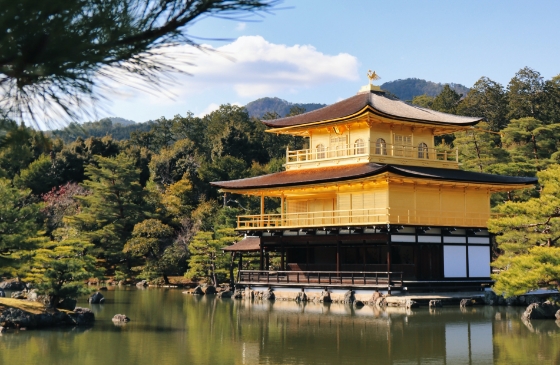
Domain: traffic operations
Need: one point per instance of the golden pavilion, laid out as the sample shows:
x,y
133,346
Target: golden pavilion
x,y
372,203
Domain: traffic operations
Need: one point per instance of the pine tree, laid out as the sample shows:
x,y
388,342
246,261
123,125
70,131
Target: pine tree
x,y
59,268
109,213
19,229
207,261
153,240
528,236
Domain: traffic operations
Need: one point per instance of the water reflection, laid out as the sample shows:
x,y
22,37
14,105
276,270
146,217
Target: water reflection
x,y
168,327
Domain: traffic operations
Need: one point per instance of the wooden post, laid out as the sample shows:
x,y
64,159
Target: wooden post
x,y
282,209
261,261
231,264
240,261
307,256
262,210
267,261
338,257
389,266
282,265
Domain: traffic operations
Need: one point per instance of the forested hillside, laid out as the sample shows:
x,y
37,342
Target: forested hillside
x,y
118,128
409,88
144,207
261,106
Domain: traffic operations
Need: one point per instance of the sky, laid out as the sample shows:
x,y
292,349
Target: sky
x,y
319,51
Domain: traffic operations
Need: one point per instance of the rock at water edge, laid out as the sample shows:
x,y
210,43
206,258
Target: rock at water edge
x,y
209,289
544,310
121,318
96,298
349,297
435,304
198,291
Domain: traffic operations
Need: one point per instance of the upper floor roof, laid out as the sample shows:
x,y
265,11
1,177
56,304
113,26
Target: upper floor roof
x,y
377,103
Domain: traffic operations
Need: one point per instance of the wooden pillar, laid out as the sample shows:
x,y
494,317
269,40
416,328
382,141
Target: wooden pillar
x,y
338,257
240,263
389,266
231,265
267,261
282,268
262,210
282,210
307,256
261,261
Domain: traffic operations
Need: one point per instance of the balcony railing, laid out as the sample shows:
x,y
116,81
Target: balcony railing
x,y
362,217
364,278
372,149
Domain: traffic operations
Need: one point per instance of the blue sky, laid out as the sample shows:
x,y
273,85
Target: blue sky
x,y
320,51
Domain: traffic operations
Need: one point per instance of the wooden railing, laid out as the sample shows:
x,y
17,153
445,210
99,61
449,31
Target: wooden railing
x,y
367,278
362,217
373,149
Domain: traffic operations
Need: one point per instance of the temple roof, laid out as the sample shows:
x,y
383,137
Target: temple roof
x,y
356,171
247,244
377,103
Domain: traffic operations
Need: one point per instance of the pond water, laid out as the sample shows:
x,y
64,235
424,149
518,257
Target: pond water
x,y
169,327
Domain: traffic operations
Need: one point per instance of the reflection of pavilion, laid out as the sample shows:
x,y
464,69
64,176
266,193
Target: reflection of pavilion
x,y
336,333
372,202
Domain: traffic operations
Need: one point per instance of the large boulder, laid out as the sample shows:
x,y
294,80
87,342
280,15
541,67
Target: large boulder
x,y
409,303
546,310
325,296
348,297
16,318
142,284
13,284
209,289
358,304
466,303
238,294
96,298
225,294
268,294
435,303
120,318
68,304
301,297
198,291
33,295
82,316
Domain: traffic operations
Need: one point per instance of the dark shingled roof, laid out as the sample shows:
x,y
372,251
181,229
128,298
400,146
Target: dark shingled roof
x,y
381,105
356,171
247,244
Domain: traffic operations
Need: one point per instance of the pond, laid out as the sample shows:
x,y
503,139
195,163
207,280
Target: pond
x,y
169,327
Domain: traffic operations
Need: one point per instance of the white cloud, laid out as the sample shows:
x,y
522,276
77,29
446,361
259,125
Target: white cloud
x,y
209,109
254,67
241,26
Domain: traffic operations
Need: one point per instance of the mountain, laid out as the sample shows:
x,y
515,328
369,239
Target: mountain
x,y
121,121
260,106
118,128
409,88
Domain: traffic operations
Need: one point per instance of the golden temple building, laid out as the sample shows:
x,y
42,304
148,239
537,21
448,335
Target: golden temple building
x,y
372,203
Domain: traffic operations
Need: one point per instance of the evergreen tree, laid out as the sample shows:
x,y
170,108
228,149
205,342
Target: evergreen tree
x,y
153,240
478,150
486,99
446,101
19,228
59,268
115,205
39,176
524,94
528,235
207,261
424,101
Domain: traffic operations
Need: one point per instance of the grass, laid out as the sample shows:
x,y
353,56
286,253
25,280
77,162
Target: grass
x,y
24,305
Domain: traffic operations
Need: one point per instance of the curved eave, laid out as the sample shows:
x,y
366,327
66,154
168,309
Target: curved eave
x,y
303,178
